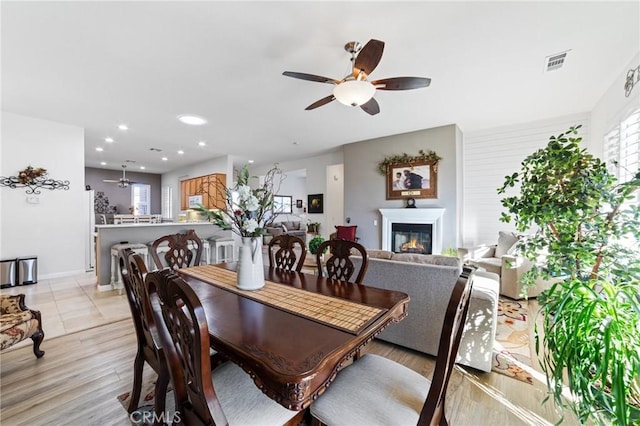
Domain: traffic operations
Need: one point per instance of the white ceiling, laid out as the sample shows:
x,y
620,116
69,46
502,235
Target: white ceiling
x,y
99,64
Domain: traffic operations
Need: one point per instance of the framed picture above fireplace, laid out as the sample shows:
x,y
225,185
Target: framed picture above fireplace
x,y
412,180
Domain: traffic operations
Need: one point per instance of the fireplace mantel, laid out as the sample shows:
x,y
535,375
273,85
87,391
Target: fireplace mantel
x,y
432,216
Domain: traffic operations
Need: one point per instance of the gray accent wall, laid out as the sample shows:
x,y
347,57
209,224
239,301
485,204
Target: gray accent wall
x,y
365,187
121,197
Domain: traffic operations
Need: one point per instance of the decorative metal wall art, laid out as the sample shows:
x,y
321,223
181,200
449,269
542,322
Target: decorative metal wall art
x,y
33,179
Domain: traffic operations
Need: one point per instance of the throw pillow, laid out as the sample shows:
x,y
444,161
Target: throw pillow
x,y
346,232
506,240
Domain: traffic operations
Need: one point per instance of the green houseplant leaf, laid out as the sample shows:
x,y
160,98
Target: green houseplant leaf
x,y
585,235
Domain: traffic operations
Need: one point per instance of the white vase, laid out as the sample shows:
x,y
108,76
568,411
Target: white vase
x,y
250,269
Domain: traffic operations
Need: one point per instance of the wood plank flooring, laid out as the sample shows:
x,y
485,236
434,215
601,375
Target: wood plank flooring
x,y
82,372
78,379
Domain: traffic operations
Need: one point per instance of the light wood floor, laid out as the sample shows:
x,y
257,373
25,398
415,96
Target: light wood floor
x,y
78,379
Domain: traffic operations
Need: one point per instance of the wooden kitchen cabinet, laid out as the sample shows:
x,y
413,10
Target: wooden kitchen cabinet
x,y
211,187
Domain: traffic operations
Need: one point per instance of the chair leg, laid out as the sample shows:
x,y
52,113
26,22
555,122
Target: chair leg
x,y
37,338
138,365
160,397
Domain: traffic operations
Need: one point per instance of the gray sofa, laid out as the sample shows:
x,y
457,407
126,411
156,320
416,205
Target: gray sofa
x,y
429,281
288,228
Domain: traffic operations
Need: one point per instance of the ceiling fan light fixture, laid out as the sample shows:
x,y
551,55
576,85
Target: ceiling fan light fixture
x,y
354,92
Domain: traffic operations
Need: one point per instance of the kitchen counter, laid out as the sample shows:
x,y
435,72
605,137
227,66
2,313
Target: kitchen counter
x,y
141,233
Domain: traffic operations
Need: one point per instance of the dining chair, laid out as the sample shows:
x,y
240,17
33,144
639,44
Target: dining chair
x,y
179,254
133,270
226,395
377,391
338,266
282,252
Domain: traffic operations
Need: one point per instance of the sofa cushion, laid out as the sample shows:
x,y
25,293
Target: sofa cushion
x,y
379,254
506,243
284,227
490,264
431,259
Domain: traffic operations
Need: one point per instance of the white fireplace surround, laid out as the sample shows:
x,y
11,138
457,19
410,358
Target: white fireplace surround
x,y
429,216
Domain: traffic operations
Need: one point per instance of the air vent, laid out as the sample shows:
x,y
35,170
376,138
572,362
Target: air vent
x,y
555,62
155,149
129,161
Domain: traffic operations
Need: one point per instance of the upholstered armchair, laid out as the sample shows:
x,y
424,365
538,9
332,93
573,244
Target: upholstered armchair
x,y
502,260
17,323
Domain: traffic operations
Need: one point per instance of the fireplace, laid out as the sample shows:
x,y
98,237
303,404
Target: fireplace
x,y
427,229
411,238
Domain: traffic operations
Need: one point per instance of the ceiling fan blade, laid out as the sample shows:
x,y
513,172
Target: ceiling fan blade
x,y
371,107
321,102
111,180
310,77
401,83
368,58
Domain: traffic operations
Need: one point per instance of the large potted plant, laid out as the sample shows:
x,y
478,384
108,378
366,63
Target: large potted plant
x,y
585,231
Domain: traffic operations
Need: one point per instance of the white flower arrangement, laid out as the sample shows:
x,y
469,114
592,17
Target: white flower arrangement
x,y
249,211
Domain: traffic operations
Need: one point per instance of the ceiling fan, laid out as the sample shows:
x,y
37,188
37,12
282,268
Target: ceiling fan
x,y
354,89
123,182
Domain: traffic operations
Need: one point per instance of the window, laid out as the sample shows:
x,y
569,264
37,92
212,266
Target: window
x,y
167,202
282,204
622,146
141,198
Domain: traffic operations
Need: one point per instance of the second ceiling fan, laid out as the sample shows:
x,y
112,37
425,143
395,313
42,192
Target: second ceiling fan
x,y
355,89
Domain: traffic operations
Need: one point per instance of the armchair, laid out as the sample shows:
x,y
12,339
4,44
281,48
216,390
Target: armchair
x,y
17,323
501,259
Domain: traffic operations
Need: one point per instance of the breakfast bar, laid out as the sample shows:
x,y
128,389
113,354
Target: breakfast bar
x,y
141,233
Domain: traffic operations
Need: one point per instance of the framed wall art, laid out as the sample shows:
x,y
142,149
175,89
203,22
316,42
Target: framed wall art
x,y
314,202
418,179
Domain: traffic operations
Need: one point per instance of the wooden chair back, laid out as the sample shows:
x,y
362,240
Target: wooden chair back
x,y
339,266
282,252
184,333
433,410
133,270
180,254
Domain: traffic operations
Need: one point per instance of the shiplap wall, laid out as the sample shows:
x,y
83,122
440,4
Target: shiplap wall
x,y
489,156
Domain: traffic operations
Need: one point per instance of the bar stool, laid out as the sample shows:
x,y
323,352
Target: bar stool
x,y
224,246
116,276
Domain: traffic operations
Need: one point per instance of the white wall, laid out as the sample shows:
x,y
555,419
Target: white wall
x,y
612,107
54,228
334,203
316,179
489,156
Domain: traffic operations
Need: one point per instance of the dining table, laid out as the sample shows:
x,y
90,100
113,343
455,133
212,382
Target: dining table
x,y
295,334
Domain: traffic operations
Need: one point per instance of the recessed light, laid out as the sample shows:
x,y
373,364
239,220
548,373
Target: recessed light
x,y
193,120
180,152
142,167
202,143
250,161
165,159
123,127
99,149
103,163
108,140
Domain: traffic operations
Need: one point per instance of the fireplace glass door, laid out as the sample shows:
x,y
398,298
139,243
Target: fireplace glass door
x,y
411,238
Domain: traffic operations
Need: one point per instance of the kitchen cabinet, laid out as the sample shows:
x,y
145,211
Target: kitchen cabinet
x,y
211,187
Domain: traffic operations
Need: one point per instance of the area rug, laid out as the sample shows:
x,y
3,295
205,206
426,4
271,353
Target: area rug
x,y
144,413
511,349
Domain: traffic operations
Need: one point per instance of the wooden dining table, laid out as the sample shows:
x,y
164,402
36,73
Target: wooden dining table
x,y
293,335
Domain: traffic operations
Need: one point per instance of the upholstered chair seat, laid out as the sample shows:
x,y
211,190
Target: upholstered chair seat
x,y
17,323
